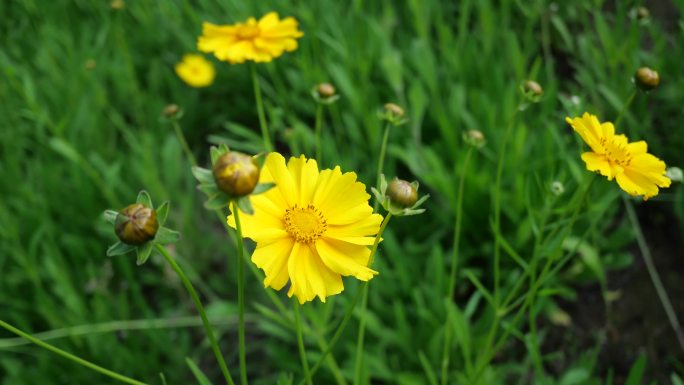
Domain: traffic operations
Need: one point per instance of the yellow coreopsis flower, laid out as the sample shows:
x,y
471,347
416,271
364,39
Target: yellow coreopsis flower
x,y
258,41
635,170
196,71
311,228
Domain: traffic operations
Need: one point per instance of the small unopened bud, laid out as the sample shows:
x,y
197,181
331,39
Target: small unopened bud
x,y
474,138
642,13
557,188
171,110
394,110
533,88
136,224
326,90
117,4
236,174
675,174
646,79
90,64
402,193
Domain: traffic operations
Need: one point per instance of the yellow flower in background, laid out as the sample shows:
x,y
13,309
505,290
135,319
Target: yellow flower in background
x,y
195,70
635,170
258,41
311,229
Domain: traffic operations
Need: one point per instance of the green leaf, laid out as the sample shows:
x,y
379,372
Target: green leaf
x,y
245,205
166,236
119,248
262,188
589,255
201,378
144,252
383,184
144,199
209,189
217,201
110,216
162,213
215,154
636,373
421,201
285,379
65,149
203,175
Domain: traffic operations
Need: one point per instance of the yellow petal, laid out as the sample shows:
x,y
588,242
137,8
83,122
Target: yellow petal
x,y
636,184
596,162
368,226
345,258
305,176
272,259
636,148
275,163
297,269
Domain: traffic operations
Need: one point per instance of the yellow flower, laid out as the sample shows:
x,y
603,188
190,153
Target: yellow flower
x,y
195,70
258,41
311,228
635,170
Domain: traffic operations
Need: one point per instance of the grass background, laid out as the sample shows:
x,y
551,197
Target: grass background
x,y
82,89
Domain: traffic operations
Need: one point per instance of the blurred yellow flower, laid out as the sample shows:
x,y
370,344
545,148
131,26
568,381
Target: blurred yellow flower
x,y
311,228
635,170
258,41
196,71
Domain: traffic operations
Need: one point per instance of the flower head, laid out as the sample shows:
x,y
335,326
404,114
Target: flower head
x,y
258,41
311,229
635,170
196,71
236,174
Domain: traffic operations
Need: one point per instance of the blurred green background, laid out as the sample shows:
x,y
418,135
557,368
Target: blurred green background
x,y
82,87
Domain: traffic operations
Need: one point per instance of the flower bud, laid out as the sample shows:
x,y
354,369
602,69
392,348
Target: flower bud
x,y
117,4
326,90
402,193
236,174
394,110
646,79
557,188
675,174
642,13
90,64
474,138
171,110
136,224
533,88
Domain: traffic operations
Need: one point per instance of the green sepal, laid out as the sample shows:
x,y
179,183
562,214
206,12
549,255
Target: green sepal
x,y
144,199
119,248
209,189
162,213
217,201
144,252
203,175
166,236
110,216
245,205
262,188
217,152
260,159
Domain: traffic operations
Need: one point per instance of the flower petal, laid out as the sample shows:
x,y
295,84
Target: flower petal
x,y
597,162
345,258
305,175
275,165
272,258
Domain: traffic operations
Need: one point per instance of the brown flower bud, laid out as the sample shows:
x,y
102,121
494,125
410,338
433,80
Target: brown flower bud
x,y
236,174
533,87
170,110
642,13
646,79
117,4
326,90
136,224
474,138
394,110
402,193
90,64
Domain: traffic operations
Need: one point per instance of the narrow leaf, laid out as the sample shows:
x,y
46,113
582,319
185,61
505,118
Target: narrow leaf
x,y
166,236
119,248
201,378
262,188
110,216
162,213
245,205
203,175
144,252
144,199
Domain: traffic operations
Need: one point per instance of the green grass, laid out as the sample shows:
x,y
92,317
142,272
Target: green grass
x,y
76,140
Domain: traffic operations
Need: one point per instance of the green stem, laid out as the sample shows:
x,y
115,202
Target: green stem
x,y
454,266
625,107
241,294
381,160
352,306
358,366
205,321
653,273
260,110
317,130
70,356
184,143
300,342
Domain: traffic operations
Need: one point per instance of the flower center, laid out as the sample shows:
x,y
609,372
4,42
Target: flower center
x,y
247,32
305,224
616,152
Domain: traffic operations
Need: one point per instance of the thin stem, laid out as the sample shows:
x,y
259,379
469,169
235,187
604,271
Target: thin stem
x,y
358,366
70,356
198,304
381,160
300,342
241,294
625,107
317,130
184,143
260,110
352,306
653,273
454,266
